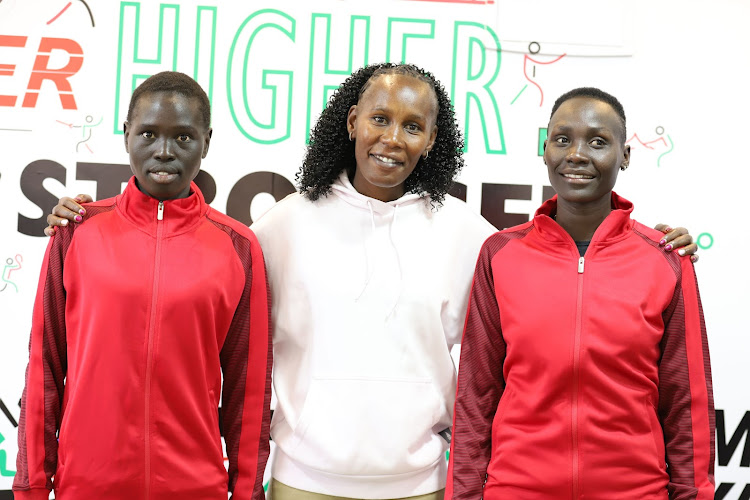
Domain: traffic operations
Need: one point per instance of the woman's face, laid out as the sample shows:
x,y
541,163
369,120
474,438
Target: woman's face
x,y
392,125
584,150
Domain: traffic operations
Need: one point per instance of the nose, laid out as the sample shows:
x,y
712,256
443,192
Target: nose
x,y
577,152
164,150
393,136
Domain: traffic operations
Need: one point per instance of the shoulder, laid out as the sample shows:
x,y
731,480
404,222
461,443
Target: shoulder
x,y
289,206
458,214
651,237
232,227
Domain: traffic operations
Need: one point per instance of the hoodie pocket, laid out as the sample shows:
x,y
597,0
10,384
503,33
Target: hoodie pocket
x,y
369,426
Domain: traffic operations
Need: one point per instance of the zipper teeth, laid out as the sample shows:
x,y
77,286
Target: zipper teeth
x,y
576,373
149,352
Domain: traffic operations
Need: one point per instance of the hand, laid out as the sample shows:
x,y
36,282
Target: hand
x,y
676,239
67,209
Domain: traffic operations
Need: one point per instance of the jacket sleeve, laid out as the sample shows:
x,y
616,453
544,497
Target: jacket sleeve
x,y
686,407
246,358
480,385
41,403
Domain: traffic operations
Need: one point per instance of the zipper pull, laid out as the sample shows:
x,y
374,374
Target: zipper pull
x,y
580,265
160,212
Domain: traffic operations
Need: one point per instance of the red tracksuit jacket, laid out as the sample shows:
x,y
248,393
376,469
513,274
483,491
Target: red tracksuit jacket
x,y
139,311
583,377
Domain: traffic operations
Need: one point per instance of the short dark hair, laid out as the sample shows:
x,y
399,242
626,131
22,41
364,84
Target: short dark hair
x,y
330,151
176,82
593,93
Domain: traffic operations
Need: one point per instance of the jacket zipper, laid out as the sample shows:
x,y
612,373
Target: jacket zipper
x,y
576,368
149,352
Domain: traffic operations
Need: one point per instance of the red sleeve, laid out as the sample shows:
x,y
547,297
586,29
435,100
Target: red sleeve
x,y
246,358
41,403
686,407
480,382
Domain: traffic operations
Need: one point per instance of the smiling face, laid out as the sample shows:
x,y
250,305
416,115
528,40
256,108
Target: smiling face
x,y
393,124
584,151
166,140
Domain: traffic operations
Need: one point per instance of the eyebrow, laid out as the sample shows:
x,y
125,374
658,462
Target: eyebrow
x,y
412,116
566,128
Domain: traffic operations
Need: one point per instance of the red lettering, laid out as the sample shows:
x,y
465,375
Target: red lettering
x,y
8,69
59,77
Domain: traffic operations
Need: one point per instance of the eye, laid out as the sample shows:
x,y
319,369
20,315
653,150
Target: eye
x,y
147,134
413,128
184,138
379,119
598,142
561,140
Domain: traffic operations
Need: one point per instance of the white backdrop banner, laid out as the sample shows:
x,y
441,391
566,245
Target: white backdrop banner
x,y
68,68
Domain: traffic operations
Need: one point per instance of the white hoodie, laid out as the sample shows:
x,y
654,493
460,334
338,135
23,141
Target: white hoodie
x,y
367,298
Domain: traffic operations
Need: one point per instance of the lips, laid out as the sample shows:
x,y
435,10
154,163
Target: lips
x,y
386,161
577,177
163,174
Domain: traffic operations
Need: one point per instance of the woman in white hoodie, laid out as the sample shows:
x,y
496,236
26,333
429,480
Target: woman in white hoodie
x,y
370,266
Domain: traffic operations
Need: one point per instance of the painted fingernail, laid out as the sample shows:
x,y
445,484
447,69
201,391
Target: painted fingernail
x,y
78,218
662,242
668,229
82,211
63,223
668,248
77,199
693,258
681,252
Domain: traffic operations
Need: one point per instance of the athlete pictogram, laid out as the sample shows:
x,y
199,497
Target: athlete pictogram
x,y
666,142
10,266
534,49
85,130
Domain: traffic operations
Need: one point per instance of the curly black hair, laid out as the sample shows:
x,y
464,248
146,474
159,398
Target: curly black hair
x,y
173,81
330,151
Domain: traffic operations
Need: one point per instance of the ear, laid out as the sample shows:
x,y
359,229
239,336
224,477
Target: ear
x,y
626,156
207,141
433,135
544,150
126,134
351,121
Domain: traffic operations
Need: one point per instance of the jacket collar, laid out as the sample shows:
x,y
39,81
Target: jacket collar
x,y
617,224
178,215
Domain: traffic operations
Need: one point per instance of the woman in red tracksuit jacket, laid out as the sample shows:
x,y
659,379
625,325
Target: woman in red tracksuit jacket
x,y
144,317
583,374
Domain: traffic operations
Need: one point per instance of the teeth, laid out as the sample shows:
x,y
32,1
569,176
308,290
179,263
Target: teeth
x,y
577,176
384,159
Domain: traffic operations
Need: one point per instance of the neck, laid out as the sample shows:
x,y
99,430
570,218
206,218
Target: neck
x,y
580,220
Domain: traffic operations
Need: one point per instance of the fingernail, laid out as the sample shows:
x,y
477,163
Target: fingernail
x,y
77,199
63,223
78,218
668,229
82,211
681,252
668,248
662,241
693,258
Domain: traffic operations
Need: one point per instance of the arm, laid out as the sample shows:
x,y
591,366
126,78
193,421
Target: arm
x,y
686,407
41,403
480,385
246,363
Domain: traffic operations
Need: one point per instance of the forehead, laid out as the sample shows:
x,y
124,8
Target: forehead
x,y
588,112
401,90
168,107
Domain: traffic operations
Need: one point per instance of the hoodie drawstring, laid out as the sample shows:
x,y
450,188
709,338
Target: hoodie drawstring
x,y
398,261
